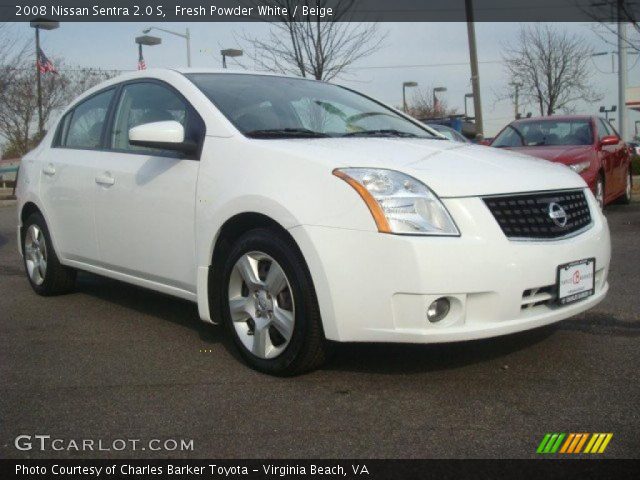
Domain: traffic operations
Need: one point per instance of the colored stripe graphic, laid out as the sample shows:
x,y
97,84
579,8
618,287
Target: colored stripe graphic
x,y
598,443
556,446
605,442
567,443
550,443
572,443
543,443
581,443
572,448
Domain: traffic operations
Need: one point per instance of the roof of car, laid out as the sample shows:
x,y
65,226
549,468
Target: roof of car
x,y
162,72
554,118
151,72
227,71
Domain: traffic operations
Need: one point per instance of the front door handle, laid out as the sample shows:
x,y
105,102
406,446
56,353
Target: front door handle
x,y
49,170
105,179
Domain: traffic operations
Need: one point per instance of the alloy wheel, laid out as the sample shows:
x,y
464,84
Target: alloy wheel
x,y
261,305
35,251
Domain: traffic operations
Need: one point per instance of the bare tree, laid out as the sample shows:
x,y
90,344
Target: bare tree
x,y
552,67
13,52
603,12
8,43
422,105
310,46
18,114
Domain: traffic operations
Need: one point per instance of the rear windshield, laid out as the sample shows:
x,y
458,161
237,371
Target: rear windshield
x,y
539,133
260,104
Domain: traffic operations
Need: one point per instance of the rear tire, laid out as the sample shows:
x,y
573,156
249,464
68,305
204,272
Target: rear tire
x,y
44,271
275,324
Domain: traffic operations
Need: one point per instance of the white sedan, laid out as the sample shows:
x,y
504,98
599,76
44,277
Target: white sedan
x,y
298,212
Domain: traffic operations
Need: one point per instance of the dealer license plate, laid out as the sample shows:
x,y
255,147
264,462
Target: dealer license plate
x,y
576,280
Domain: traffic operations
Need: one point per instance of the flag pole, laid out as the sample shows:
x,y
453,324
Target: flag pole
x,y
41,24
39,83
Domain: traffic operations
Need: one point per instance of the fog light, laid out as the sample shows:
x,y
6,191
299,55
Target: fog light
x,y
438,309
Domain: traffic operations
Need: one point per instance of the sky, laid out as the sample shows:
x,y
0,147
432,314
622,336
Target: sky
x,y
420,52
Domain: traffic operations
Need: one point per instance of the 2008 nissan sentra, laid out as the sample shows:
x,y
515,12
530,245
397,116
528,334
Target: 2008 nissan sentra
x,y
299,212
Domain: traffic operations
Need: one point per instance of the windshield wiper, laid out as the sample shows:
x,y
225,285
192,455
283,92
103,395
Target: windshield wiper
x,y
386,132
285,132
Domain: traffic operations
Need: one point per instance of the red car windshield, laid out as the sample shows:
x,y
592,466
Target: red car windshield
x,y
539,133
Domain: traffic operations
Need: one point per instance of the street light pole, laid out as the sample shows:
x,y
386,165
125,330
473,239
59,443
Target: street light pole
x,y
229,52
404,93
622,72
39,84
516,99
186,36
188,39
475,76
607,111
404,99
41,23
147,40
466,112
435,98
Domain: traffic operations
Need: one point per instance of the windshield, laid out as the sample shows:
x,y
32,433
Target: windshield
x,y
265,106
545,132
450,133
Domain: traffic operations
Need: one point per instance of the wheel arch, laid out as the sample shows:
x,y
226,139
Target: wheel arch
x,y
601,174
28,209
232,229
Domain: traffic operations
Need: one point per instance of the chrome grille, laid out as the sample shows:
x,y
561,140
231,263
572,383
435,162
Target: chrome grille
x,y
532,297
531,215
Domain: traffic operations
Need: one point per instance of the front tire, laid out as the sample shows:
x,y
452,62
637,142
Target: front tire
x,y
269,304
625,198
44,271
599,193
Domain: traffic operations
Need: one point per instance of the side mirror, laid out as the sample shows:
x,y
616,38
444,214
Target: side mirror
x,y
166,135
609,140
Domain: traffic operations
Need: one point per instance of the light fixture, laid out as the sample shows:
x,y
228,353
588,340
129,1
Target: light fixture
x,y
438,309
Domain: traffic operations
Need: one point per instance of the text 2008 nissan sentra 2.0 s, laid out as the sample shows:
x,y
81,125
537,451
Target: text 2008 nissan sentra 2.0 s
x,y
296,212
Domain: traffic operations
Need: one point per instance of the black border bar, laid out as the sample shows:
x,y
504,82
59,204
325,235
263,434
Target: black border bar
x,y
548,469
363,10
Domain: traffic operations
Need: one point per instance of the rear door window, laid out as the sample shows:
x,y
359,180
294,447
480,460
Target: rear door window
x,y
86,123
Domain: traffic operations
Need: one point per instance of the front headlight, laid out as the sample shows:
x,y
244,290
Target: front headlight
x,y
580,167
399,203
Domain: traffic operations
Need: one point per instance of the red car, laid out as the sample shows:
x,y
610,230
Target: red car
x,y
587,144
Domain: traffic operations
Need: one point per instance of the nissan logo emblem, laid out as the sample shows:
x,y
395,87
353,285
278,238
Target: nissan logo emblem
x,y
557,214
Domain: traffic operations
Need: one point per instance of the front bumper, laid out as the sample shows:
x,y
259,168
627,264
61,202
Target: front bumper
x,y
375,287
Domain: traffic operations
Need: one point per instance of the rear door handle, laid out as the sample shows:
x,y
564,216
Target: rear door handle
x,y
105,179
49,170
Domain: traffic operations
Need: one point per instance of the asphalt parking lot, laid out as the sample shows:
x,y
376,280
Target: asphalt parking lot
x,y
113,361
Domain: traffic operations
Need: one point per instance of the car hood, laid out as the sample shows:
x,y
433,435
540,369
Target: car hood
x,y
567,154
450,169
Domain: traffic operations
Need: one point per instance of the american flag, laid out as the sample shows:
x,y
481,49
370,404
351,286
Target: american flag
x,y
44,64
141,64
